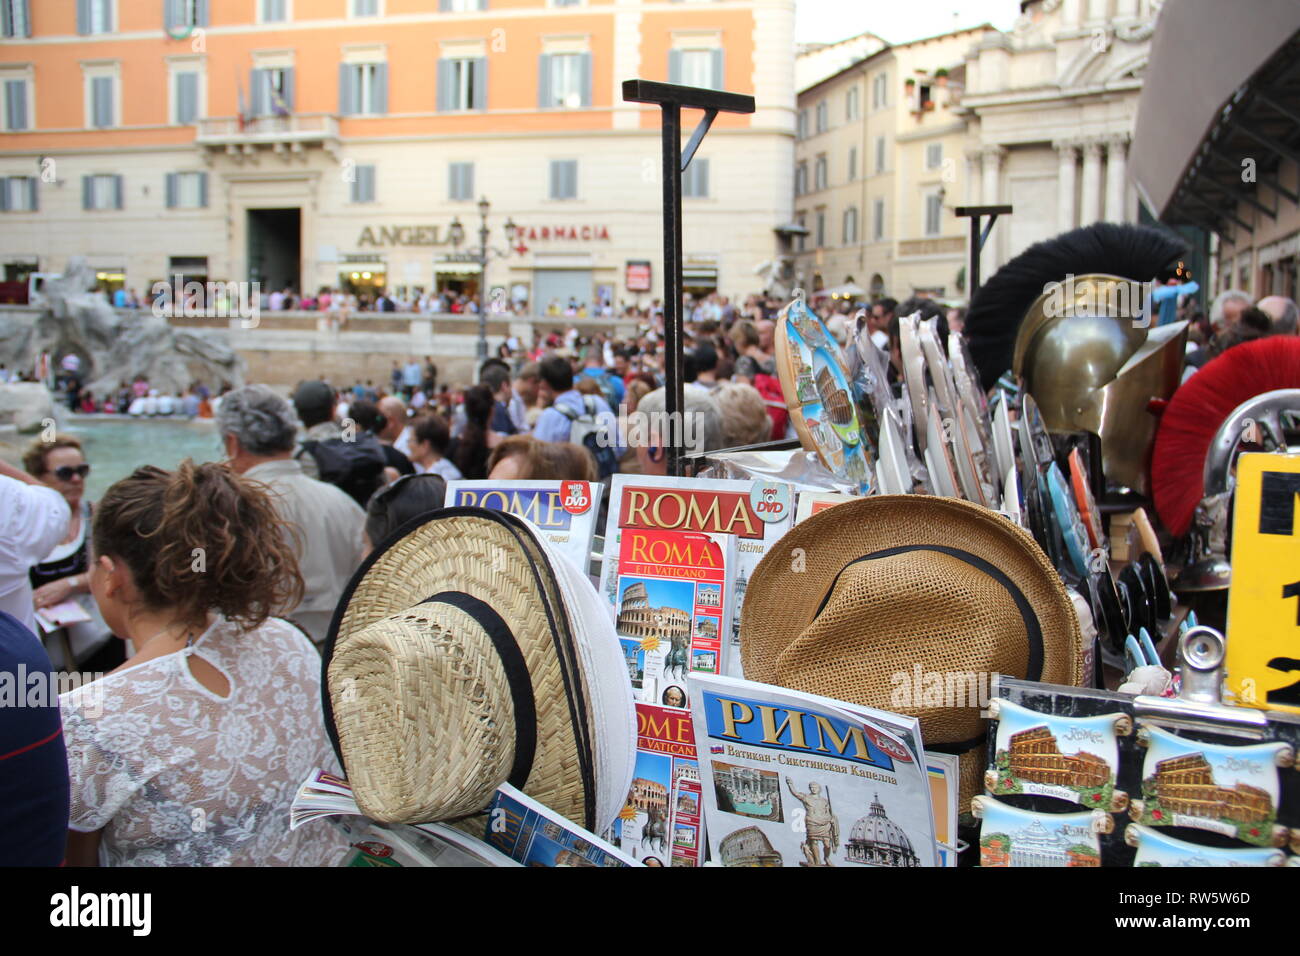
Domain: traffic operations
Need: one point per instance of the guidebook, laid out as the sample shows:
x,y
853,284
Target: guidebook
x,y
793,779
565,511
534,835
751,515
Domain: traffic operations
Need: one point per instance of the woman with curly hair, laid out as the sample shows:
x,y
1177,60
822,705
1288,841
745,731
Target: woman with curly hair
x,y
190,753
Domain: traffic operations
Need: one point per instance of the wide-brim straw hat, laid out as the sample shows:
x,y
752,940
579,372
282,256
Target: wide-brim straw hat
x,y
851,601
467,653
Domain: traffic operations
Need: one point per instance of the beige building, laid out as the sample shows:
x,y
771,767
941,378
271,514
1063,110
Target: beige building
x,y
877,163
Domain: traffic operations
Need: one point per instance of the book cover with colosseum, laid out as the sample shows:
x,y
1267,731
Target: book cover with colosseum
x,y
1215,787
1070,758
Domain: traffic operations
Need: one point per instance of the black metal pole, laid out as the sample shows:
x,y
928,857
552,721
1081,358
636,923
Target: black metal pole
x,y
482,292
674,397
975,251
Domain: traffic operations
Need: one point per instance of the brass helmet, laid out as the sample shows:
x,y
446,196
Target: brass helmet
x,y
1070,317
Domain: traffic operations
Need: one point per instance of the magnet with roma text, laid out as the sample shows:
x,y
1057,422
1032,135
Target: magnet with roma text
x,y
1160,849
1010,836
1070,758
1222,789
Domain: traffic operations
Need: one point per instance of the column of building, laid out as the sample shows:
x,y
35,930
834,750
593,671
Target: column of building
x,y
1067,155
992,157
1116,182
1090,197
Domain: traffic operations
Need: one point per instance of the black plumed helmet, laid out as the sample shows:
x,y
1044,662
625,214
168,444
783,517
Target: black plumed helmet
x,y
1139,253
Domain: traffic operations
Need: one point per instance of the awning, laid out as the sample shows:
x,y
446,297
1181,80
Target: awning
x,y
1209,100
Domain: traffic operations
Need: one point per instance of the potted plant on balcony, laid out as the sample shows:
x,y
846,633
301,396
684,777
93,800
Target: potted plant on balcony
x,y
941,76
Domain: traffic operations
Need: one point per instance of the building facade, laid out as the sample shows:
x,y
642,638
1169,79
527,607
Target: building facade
x,y
333,143
876,169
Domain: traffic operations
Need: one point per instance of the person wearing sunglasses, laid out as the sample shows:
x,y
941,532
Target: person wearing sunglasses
x,y
61,576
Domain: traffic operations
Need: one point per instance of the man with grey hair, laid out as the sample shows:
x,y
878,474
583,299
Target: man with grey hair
x,y
1283,312
1227,308
648,428
259,431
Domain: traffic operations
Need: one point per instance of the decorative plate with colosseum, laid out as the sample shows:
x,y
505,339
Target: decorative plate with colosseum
x,y
1228,790
823,407
1069,758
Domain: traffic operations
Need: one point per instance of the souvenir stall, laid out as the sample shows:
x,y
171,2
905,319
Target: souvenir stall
x,y
938,630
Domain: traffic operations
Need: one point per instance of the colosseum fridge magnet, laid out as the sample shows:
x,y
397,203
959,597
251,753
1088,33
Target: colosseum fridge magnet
x,y
1160,849
1069,758
1010,836
1228,790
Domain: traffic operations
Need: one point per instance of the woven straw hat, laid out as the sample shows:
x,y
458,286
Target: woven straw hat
x,y
467,653
851,601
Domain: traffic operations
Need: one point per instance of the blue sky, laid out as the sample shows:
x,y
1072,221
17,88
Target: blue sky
x,y
828,21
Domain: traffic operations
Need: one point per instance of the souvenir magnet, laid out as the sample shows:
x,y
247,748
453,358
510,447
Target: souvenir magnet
x,y
1010,836
969,392
1070,758
1003,444
1087,505
1222,789
909,346
1160,849
1067,515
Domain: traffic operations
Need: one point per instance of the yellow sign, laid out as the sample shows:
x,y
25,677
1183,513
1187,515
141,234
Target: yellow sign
x,y
1263,654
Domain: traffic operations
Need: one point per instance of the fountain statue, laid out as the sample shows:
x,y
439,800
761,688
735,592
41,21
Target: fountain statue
x,y
113,347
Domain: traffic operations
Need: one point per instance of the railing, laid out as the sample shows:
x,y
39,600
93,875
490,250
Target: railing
x,y
297,127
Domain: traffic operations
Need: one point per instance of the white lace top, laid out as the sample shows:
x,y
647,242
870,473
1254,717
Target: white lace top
x,y
176,776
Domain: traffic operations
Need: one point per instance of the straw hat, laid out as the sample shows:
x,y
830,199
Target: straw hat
x,y
467,653
849,602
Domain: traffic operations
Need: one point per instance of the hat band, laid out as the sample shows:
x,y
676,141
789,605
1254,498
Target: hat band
x,y
516,670
1034,666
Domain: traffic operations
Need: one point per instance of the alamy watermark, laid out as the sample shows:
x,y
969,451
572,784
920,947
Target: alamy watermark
x,y
1121,298
213,300
656,429
41,688
924,688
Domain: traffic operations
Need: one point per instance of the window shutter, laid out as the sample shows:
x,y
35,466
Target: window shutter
x,y
83,16
675,66
544,81
555,179
203,190
379,90
444,85
467,180
288,93
6,19
4,194
480,83
33,195
102,97
171,14
86,188
453,180
718,74
173,187
201,13
118,192
16,94
345,89
187,98
370,183
571,179
444,6
584,78
256,92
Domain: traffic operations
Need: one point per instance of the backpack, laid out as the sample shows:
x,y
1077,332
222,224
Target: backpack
x,y
606,388
584,430
356,467
769,386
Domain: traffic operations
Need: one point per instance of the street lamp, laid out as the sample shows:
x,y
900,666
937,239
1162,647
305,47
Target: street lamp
x,y
456,233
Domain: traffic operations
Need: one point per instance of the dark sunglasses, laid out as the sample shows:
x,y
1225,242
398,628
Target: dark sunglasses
x,y
65,472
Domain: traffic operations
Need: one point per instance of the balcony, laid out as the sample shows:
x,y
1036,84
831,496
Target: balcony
x,y
286,136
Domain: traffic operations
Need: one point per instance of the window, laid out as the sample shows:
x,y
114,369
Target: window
x,y
15,18
564,81
18,194
273,11
819,173
933,155
179,14
101,100
363,183
272,91
878,220
851,104
850,225
461,6
695,180
801,244
801,179
933,214
821,228
15,105
853,163
94,16
880,91
701,68
364,8
187,190
462,84
564,179
461,181
801,131
823,116
185,97
923,96
101,192
880,154
363,89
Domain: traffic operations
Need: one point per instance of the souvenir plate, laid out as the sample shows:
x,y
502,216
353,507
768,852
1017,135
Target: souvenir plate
x,y
1071,525
1222,789
1034,440
1144,611
822,406
939,458
1157,584
1003,443
968,470
1011,504
1107,611
1010,836
936,363
1087,505
895,478
967,382
909,345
